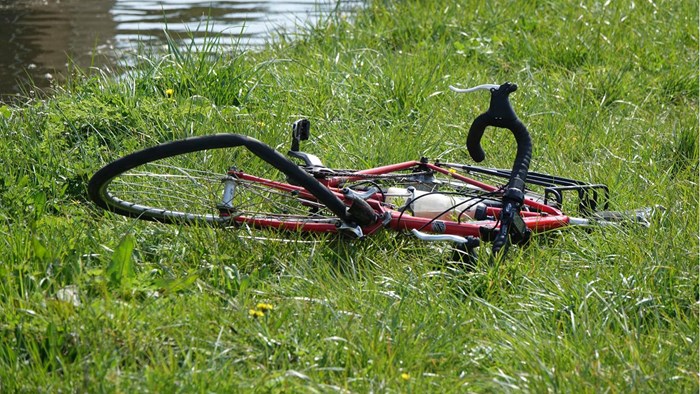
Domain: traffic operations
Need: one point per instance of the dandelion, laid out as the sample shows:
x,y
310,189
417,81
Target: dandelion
x,y
405,376
260,309
169,93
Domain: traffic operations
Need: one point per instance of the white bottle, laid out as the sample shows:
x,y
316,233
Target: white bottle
x,y
432,204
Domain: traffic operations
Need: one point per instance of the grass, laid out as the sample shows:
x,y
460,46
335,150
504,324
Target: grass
x,y
98,303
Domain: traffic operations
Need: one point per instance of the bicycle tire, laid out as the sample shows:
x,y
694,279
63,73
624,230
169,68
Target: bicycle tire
x,y
182,181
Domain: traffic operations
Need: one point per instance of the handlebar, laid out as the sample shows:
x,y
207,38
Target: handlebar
x,y
501,114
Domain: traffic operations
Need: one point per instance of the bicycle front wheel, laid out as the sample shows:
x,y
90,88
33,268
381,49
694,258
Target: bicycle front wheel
x,y
222,180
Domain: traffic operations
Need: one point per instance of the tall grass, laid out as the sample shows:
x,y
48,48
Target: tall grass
x,y
93,302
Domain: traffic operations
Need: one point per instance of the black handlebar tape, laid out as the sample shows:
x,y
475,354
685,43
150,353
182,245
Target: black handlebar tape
x,y
501,114
476,131
522,156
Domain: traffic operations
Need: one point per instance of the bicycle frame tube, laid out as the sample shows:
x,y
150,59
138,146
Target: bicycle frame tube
x,y
472,228
334,182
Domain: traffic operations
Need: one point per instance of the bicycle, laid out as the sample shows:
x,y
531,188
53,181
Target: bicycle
x,y
197,181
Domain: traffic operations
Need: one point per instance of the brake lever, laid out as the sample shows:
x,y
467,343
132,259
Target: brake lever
x,y
508,215
486,86
513,228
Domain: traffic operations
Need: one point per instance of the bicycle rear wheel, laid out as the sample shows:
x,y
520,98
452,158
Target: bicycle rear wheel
x,y
209,180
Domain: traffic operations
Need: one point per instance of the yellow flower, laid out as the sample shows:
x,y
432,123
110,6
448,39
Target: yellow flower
x,y
405,376
169,93
260,309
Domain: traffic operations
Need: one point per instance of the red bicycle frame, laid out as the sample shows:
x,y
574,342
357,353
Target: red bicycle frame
x,y
538,217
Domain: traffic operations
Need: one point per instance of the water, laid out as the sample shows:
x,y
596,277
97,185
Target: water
x,y
37,37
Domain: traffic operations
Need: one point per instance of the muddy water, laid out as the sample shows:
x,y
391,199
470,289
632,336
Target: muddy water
x,y
37,37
